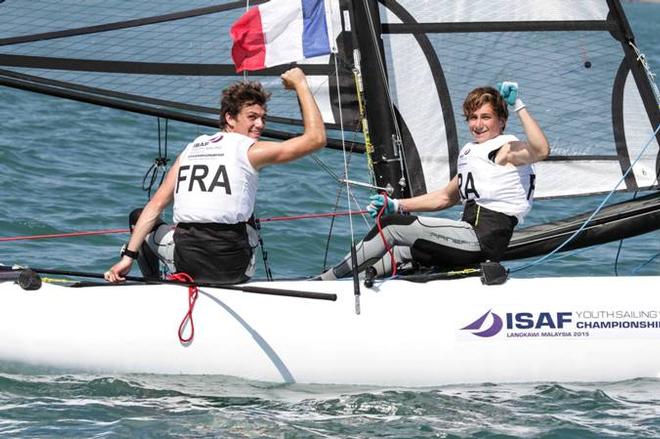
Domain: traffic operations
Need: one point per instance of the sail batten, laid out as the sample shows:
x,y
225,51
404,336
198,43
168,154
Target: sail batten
x,y
163,59
124,24
520,26
576,72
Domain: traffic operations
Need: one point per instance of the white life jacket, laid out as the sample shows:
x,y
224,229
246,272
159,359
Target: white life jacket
x,y
216,182
506,189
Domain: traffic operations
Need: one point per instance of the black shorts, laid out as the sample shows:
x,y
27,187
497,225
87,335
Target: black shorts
x,y
213,253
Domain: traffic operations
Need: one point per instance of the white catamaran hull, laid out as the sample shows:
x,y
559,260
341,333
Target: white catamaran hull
x,y
565,329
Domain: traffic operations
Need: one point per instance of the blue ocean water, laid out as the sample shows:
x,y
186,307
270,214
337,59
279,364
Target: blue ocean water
x,y
66,166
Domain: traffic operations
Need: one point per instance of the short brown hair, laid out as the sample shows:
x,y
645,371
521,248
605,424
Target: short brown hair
x,y
485,95
240,94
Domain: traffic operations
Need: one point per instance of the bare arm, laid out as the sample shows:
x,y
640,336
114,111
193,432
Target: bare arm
x,y
161,199
313,138
535,149
432,201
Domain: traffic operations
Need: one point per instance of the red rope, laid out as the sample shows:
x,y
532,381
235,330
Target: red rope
x,y
193,292
389,249
109,231
63,235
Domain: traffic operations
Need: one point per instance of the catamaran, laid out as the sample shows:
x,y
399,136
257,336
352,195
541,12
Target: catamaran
x,y
397,74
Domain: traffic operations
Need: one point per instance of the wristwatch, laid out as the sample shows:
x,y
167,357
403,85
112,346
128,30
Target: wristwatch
x,y
130,253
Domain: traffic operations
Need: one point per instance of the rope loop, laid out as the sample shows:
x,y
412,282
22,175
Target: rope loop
x,y
159,166
193,293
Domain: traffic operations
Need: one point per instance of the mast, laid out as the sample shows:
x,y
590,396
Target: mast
x,y
386,156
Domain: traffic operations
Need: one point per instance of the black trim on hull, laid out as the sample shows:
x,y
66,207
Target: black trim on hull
x,y
615,222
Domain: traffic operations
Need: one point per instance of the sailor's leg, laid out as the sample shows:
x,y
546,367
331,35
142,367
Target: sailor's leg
x,y
157,247
397,232
161,243
445,243
401,255
428,240
253,240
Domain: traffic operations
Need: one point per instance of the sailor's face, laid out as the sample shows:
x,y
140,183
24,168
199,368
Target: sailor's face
x,y
484,124
250,121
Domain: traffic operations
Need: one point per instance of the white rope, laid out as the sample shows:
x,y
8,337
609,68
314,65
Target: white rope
x,y
641,58
341,123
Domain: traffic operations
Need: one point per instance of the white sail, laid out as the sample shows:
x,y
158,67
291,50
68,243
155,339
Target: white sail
x,y
573,63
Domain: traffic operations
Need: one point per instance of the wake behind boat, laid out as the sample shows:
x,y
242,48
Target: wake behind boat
x,y
397,76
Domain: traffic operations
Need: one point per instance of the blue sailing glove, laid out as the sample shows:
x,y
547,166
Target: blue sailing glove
x,y
509,91
378,201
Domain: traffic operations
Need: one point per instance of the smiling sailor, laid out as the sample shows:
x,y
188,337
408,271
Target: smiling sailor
x,y
495,182
213,186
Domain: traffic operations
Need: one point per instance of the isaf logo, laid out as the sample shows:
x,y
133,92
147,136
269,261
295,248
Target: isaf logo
x,y
496,325
485,327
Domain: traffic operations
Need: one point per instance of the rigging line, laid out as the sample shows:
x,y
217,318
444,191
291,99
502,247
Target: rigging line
x,y
62,235
325,167
159,166
595,212
336,204
644,264
311,216
111,231
330,229
335,53
340,180
356,282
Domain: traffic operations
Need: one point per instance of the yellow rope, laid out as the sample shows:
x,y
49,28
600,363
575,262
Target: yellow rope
x,y
52,280
369,147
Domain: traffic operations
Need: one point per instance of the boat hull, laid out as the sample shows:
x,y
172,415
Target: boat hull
x,y
440,332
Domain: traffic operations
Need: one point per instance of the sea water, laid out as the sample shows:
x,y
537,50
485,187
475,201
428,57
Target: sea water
x,y
66,166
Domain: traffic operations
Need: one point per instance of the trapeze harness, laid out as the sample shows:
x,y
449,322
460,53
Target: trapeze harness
x,y
214,200
496,198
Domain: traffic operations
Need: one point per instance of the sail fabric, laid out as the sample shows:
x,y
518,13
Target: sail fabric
x,y
577,75
576,71
279,32
166,59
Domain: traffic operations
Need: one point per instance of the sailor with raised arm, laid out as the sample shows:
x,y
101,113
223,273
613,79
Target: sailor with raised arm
x,y
213,186
495,182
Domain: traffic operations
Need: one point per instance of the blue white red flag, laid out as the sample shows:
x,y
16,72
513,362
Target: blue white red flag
x,y
279,32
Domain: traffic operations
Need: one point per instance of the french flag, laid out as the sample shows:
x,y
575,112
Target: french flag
x,y
280,32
